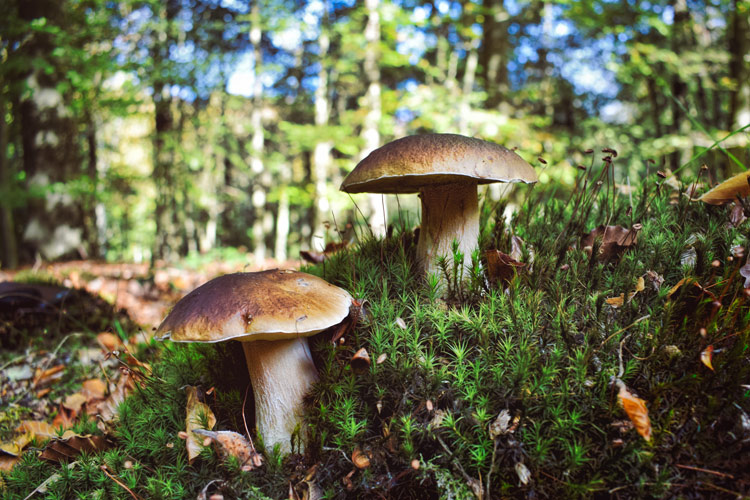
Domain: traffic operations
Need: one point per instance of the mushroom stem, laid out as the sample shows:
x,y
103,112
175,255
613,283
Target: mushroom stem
x,y
281,372
449,212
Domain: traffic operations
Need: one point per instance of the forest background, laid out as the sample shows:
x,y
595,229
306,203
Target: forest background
x,y
151,130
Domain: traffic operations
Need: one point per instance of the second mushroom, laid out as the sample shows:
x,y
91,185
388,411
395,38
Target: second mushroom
x,y
445,169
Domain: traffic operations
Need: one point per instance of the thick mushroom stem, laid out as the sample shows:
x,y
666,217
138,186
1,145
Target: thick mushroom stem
x,y
449,212
281,373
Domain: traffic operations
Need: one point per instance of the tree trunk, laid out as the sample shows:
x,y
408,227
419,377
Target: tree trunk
x,y
166,239
739,66
370,129
260,182
495,52
321,157
54,222
9,256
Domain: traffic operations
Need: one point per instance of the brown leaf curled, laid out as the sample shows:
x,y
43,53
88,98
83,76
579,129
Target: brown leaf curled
x,y
637,412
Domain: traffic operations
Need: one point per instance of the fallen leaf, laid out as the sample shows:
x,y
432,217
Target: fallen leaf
x,y
501,267
46,377
230,443
15,446
737,214
706,356
401,323
523,472
360,459
39,429
65,418
500,425
198,416
614,240
74,402
636,411
7,462
107,409
93,389
619,301
728,190
109,341
70,445
656,279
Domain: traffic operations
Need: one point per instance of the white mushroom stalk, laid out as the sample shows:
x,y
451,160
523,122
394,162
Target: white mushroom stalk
x,y
449,213
281,373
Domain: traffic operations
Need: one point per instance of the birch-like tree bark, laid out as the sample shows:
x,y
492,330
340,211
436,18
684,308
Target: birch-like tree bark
x,y
370,129
321,160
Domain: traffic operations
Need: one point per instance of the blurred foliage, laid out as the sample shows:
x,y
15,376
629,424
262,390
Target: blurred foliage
x,y
160,95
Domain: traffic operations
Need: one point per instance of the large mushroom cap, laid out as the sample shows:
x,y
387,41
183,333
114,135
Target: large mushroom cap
x,y
406,165
266,305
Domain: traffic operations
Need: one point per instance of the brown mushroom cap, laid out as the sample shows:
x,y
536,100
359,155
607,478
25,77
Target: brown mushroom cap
x,y
266,305
406,165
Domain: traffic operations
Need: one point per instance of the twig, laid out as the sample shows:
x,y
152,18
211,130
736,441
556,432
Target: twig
x,y
244,402
42,488
622,330
707,471
328,448
113,478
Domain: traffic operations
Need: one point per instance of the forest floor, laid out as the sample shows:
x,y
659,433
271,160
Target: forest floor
x,y
600,347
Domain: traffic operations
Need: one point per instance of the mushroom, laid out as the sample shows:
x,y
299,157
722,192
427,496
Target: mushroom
x,y
271,313
445,170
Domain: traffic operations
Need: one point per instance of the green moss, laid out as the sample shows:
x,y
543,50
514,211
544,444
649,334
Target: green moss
x,y
546,348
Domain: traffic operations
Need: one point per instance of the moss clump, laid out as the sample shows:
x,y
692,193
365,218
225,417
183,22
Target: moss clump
x,y
544,348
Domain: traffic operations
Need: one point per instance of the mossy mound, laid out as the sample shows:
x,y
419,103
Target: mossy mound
x,y
542,349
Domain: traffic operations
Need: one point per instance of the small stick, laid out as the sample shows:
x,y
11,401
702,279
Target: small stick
x,y
113,478
623,329
707,471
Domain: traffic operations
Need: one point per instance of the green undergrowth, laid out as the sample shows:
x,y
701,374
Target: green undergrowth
x,y
545,347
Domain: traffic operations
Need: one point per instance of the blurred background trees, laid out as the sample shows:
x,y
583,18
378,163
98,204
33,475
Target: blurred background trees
x,y
150,129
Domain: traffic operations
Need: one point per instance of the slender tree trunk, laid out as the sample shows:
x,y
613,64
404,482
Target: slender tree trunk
x,y
370,130
9,256
679,43
259,188
467,87
739,66
166,240
494,51
321,157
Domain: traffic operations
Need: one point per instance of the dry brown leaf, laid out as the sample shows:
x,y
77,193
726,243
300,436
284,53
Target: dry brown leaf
x,y
619,301
501,267
7,462
230,443
16,445
109,341
198,416
500,425
94,389
361,459
107,409
74,402
707,355
70,445
46,377
39,429
728,190
65,418
614,240
737,214
636,411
